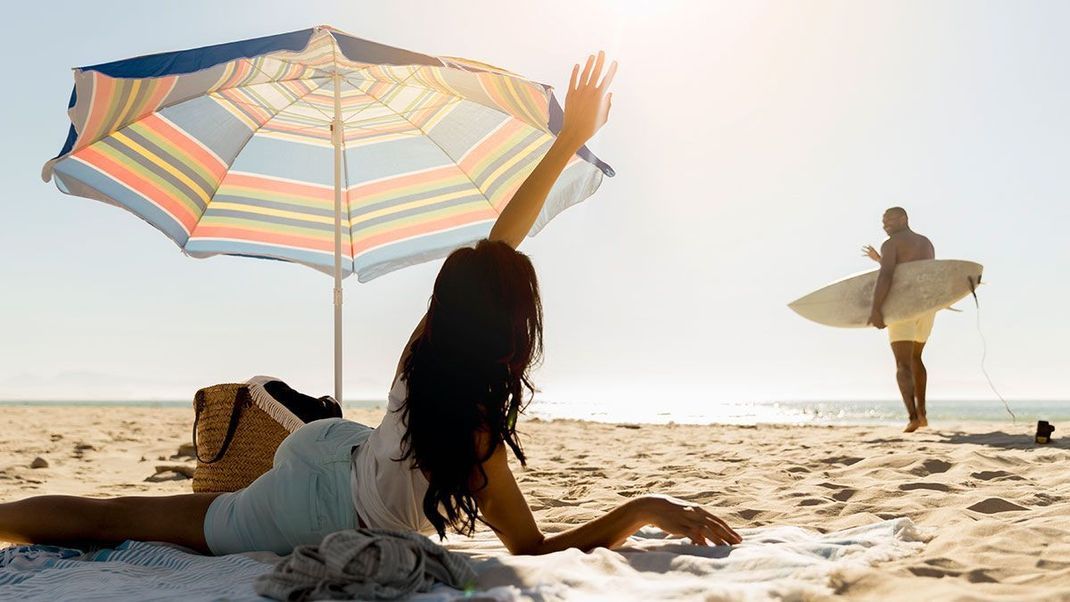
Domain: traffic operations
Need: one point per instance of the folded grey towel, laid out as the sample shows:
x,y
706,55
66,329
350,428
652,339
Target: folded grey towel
x,y
365,564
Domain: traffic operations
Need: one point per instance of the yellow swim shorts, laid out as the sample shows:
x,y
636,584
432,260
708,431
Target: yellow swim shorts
x,y
912,330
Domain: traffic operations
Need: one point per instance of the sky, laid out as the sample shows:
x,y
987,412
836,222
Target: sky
x,y
756,145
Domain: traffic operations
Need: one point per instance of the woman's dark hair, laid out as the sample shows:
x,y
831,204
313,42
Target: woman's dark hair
x,y
465,374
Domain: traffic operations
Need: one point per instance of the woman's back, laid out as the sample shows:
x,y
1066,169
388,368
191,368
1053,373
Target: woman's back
x,y
389,494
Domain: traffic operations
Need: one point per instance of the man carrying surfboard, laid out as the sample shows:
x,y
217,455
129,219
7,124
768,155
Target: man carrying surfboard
x,y
908,338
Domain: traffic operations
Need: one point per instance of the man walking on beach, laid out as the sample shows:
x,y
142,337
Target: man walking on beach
x,y
908,338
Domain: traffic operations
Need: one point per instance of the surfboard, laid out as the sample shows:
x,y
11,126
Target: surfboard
x,y
918,287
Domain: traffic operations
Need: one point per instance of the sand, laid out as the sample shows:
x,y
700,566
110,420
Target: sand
x,y
994,506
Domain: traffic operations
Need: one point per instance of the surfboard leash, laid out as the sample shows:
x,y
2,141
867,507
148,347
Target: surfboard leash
x,y
984,348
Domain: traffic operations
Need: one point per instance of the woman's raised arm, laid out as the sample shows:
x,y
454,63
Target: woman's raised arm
x,y
586,110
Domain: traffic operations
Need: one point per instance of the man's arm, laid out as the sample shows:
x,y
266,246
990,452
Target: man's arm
x,y
586,110
884,283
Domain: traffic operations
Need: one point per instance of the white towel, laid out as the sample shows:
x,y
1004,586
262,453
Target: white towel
x,y
772,562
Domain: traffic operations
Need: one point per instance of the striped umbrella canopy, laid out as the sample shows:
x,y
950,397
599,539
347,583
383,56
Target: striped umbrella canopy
x,y
314,147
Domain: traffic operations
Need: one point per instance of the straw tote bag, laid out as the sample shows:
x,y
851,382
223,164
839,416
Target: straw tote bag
x,y
238,426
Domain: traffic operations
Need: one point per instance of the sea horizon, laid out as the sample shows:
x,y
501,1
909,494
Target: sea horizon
x,y
796,412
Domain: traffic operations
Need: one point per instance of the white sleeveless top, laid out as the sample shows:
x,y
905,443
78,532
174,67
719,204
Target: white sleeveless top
x,y
389,494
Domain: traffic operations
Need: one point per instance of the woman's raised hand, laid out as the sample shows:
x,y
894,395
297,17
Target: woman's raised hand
x,y
586,109
587,103
677,517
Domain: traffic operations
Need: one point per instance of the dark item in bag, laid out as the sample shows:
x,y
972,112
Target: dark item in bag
x,y
305,407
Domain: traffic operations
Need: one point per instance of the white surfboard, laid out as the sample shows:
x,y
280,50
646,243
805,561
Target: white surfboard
x,y
918,287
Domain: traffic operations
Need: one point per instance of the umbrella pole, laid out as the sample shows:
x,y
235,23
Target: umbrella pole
x,y
336,139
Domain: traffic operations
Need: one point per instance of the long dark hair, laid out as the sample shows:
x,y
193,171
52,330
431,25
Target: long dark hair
x,y
466,373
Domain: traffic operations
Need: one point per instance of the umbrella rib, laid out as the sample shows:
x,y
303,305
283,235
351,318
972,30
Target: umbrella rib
x,y
236,155
357,87
301,98
318,126
492,107
427,136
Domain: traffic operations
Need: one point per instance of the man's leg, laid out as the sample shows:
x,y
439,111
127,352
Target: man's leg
x,y
903,351
65,519
917,368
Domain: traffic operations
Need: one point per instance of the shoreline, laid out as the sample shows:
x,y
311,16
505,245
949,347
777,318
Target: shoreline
x,y
789,413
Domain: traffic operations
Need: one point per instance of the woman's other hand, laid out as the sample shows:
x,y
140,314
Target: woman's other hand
x,y
681,518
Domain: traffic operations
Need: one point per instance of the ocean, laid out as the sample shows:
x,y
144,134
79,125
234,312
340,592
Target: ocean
x,y
809,412
767,412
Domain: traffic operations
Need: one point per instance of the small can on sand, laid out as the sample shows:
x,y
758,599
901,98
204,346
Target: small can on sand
x,y
1044,430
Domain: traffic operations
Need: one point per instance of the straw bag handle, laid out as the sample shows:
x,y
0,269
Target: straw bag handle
x,y
235,414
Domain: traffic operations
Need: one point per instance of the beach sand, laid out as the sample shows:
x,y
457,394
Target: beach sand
x,y
995,505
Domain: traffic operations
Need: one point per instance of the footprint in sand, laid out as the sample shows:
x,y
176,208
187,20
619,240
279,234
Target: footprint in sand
x,y
979,576
930,486
1044,499
553,503
578,492
994,505
974,576
844,494
930,466
931,571
944,563
988,475
700,497
845,460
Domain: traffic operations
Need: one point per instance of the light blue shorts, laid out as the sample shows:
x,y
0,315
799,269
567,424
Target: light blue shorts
x,y
305,495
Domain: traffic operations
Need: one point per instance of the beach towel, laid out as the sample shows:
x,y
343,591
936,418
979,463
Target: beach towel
x,y
133,570
772,563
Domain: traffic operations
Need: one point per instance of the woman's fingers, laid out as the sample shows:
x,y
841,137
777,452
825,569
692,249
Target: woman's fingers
x,y
608,79
703,534
701,530
716,536
586,72
597,72
575,74
730,534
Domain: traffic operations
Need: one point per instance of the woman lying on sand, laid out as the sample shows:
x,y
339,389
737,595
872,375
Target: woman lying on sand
x,y
451,413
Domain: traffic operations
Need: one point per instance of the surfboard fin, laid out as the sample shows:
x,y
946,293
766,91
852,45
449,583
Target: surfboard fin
x,y
973,290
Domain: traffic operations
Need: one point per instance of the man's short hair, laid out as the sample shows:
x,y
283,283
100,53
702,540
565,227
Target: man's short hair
x,y
896,211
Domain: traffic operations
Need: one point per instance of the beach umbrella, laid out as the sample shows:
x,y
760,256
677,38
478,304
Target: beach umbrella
x,y
314,147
